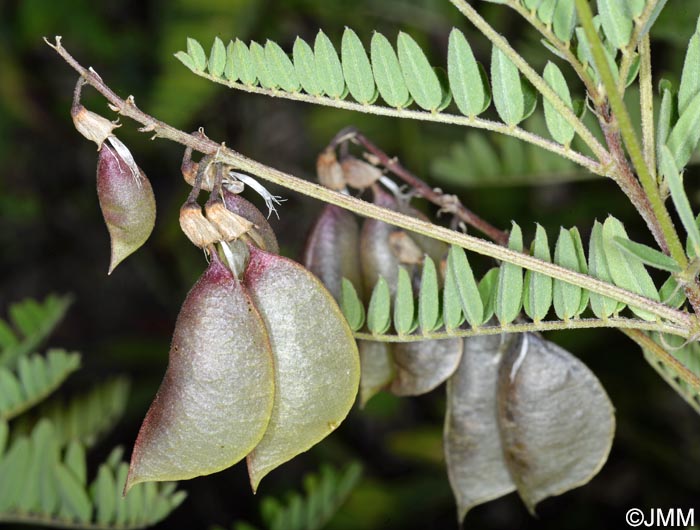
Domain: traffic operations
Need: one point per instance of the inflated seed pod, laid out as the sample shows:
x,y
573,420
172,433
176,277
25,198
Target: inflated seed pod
x,y
422,366
261,232
127,203
317,368
331,249
216,398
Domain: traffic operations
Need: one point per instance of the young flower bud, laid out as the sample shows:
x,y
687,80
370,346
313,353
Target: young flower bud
x,y
261,233
329,171
196,227
91,125
127,203
359,174
230,225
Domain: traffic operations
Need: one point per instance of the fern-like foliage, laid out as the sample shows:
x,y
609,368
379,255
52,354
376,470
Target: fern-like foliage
x,y
35,378
324,493
30,323
44,483
85,417
466,306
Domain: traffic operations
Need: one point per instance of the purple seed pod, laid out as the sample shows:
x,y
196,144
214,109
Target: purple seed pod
x,y
214,404
331,251
261,234
127,203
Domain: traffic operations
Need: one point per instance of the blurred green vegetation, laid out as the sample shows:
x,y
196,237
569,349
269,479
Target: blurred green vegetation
x,y
52,239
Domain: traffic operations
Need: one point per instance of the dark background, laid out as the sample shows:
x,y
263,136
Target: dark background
x,y
52,239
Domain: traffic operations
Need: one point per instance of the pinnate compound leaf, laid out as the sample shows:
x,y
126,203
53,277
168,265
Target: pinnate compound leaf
x,y
352,307
281,68
679,197
469,87
616,20
387,72
567,297
127,203
379,310
649,256
626,271
377,366
470,299
423,366
196,53
328,67
429,297
421,80
357,68
305,66
560,129
683,138
217,58
508,95
538,297
690,78
555,419
216,398
308,335
472,441
510,283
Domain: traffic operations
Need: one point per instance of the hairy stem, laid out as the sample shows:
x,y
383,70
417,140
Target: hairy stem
x,y
224,154
448,203
646,104
635,40
522,327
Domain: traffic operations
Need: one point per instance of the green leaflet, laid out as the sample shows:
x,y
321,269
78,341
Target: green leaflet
x,y
690,78
352,307
451,304
469,297
243,63
532,5
404,308
538,294
37,377
487,291
616,21
685,134
545,11
468,81
328,67
564,19
510,283
567,297
305,66
281,68
422,82
387,73
262,68
583,52
429,297
679,196
648,255
671,293
379,310
217,58
196,53
560,129
626,271
602,306
663,122
357,68
582,265
508,96
229,69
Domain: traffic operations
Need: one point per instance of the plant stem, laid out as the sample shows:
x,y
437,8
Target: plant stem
x,y
646,104
224,154
623,121
448,203
536,79
635,40
523,327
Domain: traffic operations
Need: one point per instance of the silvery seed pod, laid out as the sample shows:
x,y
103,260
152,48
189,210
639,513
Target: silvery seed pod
x,y
127,203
